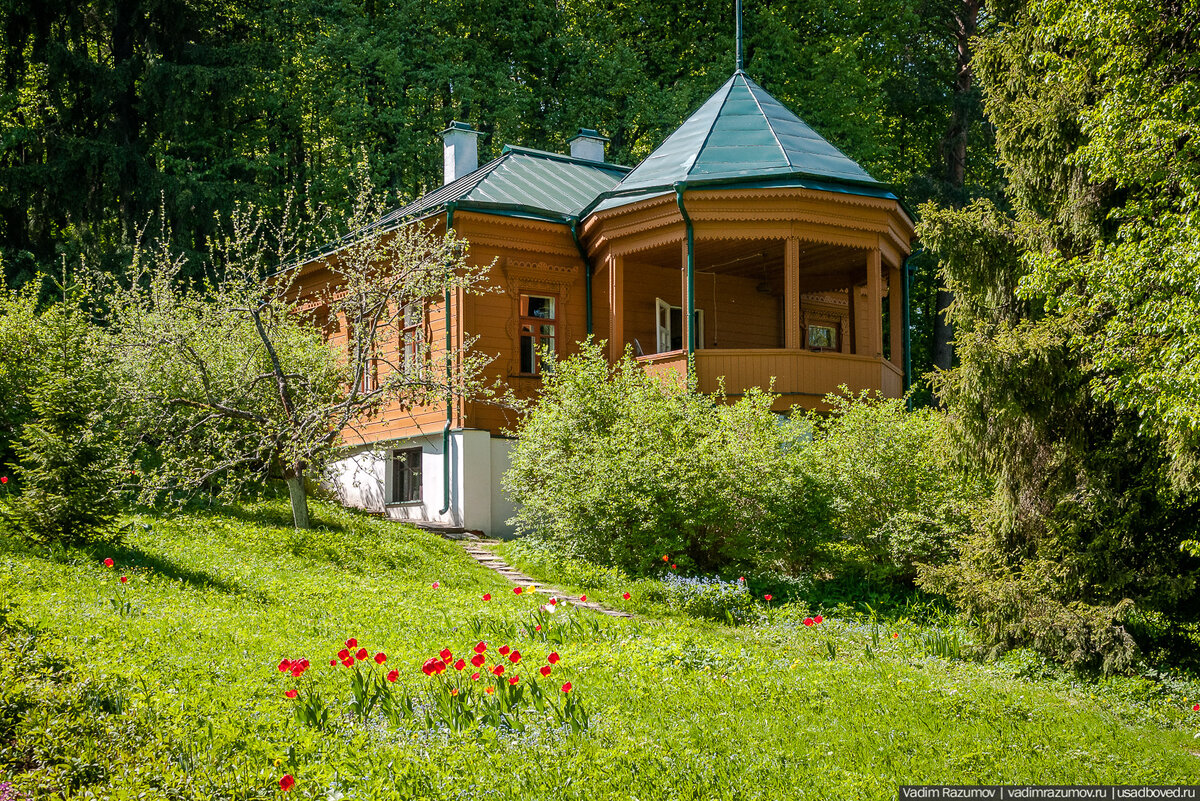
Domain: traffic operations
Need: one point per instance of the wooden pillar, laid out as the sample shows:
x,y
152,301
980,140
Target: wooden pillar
x,y
616,306
874,312
792,335
895,317
852,333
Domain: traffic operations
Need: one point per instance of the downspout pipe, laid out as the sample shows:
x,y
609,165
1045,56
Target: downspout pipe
x,y
690,300
587,267
449,395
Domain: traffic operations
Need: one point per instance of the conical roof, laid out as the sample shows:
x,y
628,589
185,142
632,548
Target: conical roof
x,y
740,133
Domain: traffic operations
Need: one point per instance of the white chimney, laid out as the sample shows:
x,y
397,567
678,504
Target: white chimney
x,y
587,145
460,153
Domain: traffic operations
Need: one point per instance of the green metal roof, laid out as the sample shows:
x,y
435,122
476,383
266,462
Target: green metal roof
x,y
742,135
522,182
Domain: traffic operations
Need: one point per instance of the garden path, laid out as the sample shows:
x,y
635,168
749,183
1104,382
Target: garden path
x,y
479,551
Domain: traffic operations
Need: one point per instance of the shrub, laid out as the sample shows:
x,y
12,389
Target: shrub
x,y
898,500
66,450
617,468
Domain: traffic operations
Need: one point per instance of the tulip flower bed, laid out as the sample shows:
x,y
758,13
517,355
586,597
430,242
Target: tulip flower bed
x,y
216,682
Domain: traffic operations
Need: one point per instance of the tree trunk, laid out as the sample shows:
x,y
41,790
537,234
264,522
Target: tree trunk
x,y
954,155
299,500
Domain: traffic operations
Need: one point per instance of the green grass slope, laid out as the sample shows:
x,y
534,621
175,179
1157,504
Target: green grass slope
x,y
177,695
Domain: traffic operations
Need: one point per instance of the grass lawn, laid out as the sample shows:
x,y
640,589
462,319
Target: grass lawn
x,y
179,696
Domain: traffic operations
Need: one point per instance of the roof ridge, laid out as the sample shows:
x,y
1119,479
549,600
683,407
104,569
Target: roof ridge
x,y
767,119
550,154
712,125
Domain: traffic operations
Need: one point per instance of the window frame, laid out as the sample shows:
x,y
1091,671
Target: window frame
x,y
524,319
412,339
409,470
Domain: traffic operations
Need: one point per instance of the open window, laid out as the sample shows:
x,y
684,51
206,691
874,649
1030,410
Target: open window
x,y
539,329
669,327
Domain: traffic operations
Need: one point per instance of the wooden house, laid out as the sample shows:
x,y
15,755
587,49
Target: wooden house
x,y
745,241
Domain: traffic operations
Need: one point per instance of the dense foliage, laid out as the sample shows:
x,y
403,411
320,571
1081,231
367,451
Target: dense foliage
x,y
65,440
1076,389
896,500
616,467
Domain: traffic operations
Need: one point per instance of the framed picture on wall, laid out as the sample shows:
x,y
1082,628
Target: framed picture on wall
x,y
822,337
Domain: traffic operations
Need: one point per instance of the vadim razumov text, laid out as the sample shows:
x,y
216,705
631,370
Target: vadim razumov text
x,y
1033,792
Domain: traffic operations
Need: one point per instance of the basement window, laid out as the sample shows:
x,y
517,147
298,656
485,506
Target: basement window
x,y
406,475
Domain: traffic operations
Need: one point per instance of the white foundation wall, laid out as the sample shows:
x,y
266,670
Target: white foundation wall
x,y
477,502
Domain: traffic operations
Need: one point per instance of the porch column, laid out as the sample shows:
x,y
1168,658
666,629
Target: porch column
x,y
616,306
852,333
895,317
792,336
874,343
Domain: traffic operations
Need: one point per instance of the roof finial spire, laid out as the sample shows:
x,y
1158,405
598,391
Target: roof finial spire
x,y
738,14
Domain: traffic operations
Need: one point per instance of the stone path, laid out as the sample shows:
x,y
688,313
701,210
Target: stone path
x,y
478,550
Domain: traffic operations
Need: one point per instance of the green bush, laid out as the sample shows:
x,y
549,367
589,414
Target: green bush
x,y
898,499
66,450
620,469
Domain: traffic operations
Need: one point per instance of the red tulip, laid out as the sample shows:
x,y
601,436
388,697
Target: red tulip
x,y
504,649
343,654
514,657
124,579
287,782
395,674
291,693
362,654
445,654
349,662
545,671
516,590
808,621
436,584
537,628
554,602
459,665
380,658
480,647
514,680
298,669
583,597
474,677
108,562
487,596
553,658
332,662
3,479
431,666
819,620
741,579
625,596
666,558
768,597
351,643
498,670
566,688
477,660
285,665
674,567
895,636
1196,707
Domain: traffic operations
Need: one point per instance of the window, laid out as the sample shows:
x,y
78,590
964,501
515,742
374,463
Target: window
x,y
669,326
822,337
539,315
369,382
406,476
412,339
